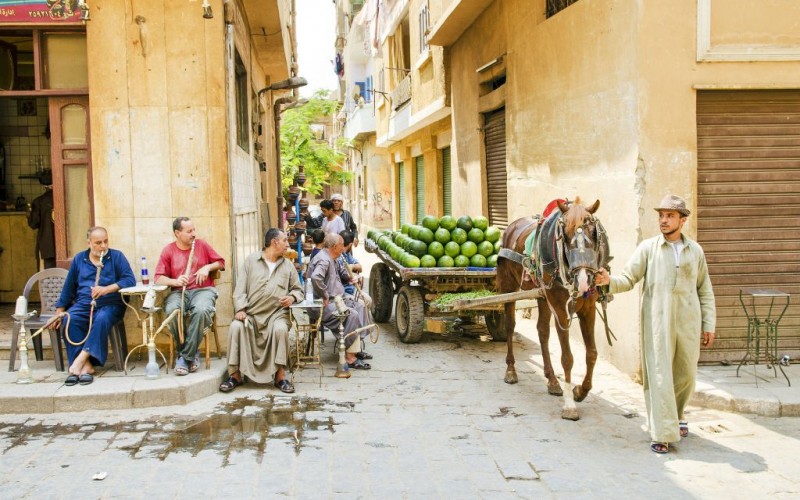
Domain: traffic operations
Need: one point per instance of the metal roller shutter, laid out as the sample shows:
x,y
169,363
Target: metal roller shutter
x,y
419,170
401,193
748,216
496,176
447,182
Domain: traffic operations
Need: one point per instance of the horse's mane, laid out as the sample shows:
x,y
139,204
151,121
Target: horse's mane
x,y
574,217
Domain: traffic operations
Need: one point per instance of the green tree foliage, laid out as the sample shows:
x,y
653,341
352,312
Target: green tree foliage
x,y
322,162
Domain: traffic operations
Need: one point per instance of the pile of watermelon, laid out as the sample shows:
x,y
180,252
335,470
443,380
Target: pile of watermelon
x,y
445,242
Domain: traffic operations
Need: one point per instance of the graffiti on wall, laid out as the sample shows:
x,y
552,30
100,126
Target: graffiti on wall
x,y
380,209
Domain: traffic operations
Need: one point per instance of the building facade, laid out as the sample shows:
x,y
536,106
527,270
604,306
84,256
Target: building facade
x,y
156,109
624,102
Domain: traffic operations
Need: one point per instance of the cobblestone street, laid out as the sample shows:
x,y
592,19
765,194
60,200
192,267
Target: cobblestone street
x,y
429,420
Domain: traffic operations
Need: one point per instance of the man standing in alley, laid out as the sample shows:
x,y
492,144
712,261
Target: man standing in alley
x,y
41,217
258,338
185,265
677,315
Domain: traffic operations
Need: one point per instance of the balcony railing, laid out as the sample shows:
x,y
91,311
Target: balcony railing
x,y
402,92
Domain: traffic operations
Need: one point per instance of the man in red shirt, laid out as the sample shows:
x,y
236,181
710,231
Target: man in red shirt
x,y
200,295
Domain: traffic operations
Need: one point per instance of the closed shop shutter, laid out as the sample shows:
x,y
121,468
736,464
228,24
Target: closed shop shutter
x,y
447,182
401,193
748,214
419,169
496,176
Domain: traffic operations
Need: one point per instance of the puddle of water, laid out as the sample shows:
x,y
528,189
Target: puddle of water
x,y
240,425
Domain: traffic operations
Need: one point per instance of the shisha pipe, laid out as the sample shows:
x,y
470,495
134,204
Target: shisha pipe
x,y
373,336
183,292
100,266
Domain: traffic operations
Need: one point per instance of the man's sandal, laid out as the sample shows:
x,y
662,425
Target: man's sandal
x,y
195,363
181,368
683,427
660,448
230,384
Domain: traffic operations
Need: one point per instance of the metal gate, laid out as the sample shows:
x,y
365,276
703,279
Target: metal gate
x,y
748,216
496,176
419,170
447,182
401,193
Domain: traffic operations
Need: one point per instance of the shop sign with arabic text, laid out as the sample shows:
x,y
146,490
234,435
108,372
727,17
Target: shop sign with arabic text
x,y
39,11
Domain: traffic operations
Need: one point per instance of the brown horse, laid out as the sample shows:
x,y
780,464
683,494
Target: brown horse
x,y
569,247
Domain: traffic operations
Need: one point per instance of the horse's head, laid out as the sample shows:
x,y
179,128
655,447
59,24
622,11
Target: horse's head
x,y
583,243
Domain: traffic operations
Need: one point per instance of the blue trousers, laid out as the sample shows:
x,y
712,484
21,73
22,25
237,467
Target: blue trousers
x,y
96,344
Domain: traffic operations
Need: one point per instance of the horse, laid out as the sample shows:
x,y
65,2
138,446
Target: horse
x,y
569,247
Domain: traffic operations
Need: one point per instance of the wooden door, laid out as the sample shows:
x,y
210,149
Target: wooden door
x,y
72,174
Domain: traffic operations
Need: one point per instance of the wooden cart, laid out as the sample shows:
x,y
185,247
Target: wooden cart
x,y
416,289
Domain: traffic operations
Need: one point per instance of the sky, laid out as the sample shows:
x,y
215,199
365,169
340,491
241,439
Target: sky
x,y
316,26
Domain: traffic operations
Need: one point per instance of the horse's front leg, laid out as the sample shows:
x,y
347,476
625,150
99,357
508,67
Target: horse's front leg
x,y
509,323
569,411
543,327
587,317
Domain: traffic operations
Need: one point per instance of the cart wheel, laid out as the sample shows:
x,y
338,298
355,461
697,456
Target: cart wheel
x,y
409,315
495,323
382,291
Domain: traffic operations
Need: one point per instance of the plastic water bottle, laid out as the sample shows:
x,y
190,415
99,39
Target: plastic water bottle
x,y
145,275
309,292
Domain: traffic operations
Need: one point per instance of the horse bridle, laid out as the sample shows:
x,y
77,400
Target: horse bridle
x,y
581,254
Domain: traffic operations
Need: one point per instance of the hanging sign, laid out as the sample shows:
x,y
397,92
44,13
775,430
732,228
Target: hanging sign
x,y
39,11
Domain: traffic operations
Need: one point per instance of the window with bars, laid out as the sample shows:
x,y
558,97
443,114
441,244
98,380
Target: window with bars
x,y
424,25
556,6
447,182
419,167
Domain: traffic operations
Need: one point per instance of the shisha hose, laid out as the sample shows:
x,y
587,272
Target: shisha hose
x,y
183,292
50,323
91,310
367,300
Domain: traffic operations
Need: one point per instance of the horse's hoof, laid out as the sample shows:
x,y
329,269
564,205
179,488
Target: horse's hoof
x,y
554,389
570,414
578,395
511,377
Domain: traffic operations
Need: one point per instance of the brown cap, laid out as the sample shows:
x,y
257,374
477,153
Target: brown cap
x,y
672,202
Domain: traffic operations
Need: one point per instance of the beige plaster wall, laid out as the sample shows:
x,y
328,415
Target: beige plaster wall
x,y
157,100
379,207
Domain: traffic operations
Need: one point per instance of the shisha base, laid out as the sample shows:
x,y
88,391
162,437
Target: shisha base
x,y
342,370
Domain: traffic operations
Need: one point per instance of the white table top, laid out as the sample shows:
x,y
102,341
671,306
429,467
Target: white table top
x,y
139,288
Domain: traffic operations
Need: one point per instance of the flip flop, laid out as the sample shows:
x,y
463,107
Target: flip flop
x,y
359,364
660,448
72,380
86,379
181,368
683,427
363,355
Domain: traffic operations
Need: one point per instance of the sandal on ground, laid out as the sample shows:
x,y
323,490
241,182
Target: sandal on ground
x,y
660,448
195,364
72,379
230,384
181,368
86,379
285,386
363,355
683,427
359,364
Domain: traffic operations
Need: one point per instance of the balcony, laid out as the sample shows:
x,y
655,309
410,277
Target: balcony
x,y
360,123
401,93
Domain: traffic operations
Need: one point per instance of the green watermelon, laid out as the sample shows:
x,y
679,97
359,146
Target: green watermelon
x,y
445,261
442,235
452,249
427,261
480,222
492,234
413,231
411,261
477,260
430,222
497,246
469,249
448,222
485,248
418,248
436,249
458,235
491,261
475,235
425,235
404,228
461,261
465,222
